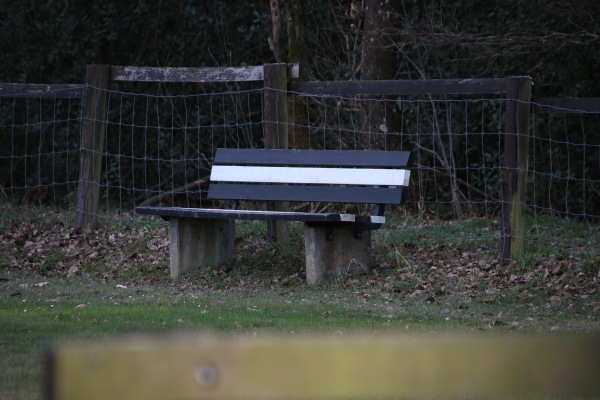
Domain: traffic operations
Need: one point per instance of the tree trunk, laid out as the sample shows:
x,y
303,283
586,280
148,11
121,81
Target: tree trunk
x,y
297,53
379,61
275,37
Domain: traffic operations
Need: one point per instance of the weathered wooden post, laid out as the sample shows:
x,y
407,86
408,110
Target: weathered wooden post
x,y
92,145
515,166
276,130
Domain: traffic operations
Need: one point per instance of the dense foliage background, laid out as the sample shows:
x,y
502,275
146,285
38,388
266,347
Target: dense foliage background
x,y
557,43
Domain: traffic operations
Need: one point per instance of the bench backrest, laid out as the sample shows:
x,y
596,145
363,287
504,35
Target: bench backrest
x,y
335,176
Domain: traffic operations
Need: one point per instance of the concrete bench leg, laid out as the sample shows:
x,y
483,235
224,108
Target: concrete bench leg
x,y
345,254
197,243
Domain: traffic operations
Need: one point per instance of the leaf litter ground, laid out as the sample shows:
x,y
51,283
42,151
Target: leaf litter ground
x,y
423,271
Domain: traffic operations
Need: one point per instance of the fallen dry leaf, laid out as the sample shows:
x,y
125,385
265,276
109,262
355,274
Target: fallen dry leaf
x,y
72,271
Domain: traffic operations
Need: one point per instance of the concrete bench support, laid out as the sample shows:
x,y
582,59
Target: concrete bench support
x,y
344,254
199,243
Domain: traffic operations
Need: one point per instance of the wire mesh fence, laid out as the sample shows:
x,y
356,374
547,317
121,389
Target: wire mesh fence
x,y
39,151
159,149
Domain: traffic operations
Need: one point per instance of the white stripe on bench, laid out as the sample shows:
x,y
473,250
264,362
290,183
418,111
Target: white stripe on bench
x,y
300,175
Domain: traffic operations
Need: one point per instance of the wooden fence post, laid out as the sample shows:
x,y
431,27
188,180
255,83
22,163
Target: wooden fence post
x,y
515,166
276,131
92,146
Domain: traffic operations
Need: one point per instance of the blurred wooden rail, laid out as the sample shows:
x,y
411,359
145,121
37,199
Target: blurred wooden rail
x,y
200,366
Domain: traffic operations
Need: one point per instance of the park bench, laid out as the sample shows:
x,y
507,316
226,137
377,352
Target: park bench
x,y
335,242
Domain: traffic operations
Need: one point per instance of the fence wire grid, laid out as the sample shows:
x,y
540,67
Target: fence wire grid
x,y
159,151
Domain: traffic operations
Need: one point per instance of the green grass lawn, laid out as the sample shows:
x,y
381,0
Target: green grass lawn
x,y
74,309
58,287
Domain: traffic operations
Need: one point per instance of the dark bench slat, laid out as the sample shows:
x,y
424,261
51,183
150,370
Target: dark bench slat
x,y
321,158
178,212
328,194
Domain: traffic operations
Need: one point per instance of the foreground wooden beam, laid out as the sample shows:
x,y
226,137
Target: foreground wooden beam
x,y
200,366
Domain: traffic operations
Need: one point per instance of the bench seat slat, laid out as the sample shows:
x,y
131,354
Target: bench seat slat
x,y
326,158
303,175
328,194
180,212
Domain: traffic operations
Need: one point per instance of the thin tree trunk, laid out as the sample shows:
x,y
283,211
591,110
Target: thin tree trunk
x,y
379,61
275,37
297,53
